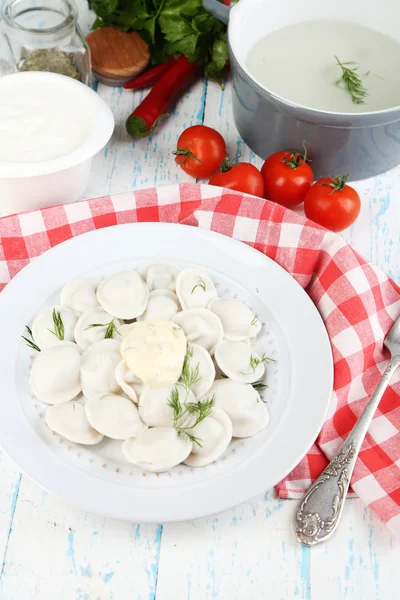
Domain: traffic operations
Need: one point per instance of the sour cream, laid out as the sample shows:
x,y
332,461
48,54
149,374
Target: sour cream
x,y
41,119
155,350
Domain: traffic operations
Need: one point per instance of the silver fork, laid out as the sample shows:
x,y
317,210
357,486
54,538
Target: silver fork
x,y
319,512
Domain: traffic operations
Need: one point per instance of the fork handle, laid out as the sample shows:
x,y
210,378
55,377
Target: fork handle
x,y
319,511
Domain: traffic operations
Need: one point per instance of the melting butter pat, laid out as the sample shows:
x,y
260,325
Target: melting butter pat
x,y
155,350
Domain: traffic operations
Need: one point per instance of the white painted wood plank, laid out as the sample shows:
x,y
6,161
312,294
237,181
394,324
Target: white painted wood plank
x,y
360,562
85,16
218,114
376,235
10,479
57,551
126,164
247,553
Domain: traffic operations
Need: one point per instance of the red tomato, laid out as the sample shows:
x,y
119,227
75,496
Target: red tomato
x,y
287,177
332,204
200,151
242,177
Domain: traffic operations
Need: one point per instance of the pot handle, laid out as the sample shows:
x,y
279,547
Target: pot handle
x,y
217,9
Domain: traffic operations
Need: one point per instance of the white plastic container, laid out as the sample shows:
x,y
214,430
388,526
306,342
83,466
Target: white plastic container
x,y
32,185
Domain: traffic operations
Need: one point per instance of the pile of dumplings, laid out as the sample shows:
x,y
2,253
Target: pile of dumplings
x,y
93,391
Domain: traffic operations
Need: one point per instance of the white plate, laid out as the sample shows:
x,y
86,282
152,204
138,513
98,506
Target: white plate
x,y
98,478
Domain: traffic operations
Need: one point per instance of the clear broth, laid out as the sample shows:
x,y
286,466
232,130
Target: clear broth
x,y
298,63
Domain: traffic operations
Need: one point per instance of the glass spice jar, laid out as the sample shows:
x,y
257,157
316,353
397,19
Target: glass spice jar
x,y
43,35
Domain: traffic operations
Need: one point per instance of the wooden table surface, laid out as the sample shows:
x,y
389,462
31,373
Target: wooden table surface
x,y
50,550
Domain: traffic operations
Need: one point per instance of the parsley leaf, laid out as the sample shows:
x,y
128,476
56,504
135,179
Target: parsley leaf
x,y
220,52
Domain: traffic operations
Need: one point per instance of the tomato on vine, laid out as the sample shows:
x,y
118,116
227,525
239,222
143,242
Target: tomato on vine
x,y
287,177
332,203
200,151
242,177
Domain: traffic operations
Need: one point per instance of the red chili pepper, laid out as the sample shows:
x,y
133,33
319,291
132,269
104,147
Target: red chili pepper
x,y
149,77
162,97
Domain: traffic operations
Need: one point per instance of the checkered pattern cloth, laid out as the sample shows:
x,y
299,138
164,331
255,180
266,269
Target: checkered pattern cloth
x,y
358,304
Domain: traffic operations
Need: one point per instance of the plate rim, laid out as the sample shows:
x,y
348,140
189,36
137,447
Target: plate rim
x,y
192,511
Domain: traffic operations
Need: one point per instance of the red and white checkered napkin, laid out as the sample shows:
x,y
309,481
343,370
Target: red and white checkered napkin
x,y
358,303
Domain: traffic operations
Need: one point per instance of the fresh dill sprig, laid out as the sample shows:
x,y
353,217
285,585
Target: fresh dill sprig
x,y
189,376
58,325
176,406
30,341
255,320
202,410
254,361
352,81
110,328
201,284
259,386
191,437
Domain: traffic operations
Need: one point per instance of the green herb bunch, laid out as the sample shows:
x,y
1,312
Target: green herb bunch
x,y
170,28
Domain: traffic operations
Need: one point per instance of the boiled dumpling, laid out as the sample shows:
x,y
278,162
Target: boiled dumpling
x,y
70,421
157,449
54,375
123,295
154,408
199,368
138,388
159,275
114,416
200,326
214,434
99,362
127,380
242,404
80,295
152,341
164,292
160,307
237,319
86,335
194,289
239,361
44,330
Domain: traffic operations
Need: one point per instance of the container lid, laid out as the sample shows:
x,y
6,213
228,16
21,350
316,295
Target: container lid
x,y
117,54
